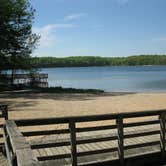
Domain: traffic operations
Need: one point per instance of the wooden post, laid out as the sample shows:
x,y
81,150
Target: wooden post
x,y
73,143
4,109
162,134
7,147
22,154
5,112
120,131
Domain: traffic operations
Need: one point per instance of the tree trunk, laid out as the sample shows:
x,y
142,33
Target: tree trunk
x,y
12,77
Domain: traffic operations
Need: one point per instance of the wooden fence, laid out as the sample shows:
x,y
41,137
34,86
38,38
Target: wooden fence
x,y
3,117
20,151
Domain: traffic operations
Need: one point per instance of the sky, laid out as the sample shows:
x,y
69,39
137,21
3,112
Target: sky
x,y
108,28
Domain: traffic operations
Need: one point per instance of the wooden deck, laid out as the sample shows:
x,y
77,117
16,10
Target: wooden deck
x,y
120,142
3,160
3,117
43,153
40,78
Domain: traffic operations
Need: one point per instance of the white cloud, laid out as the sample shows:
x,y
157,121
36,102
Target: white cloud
x,y
47,33
74,16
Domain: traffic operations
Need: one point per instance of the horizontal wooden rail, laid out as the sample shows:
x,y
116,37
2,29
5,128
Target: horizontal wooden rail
x,y
144,123
118,131
45,132
141,145
54,157
49,144
88,118
96,128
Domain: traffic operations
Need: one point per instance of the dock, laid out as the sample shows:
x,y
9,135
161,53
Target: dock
x,y
24,79
126,140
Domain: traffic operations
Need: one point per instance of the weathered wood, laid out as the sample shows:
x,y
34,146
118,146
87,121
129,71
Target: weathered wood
x,y
119,122
49,144
54,157
52,163
100,151
61,120
80,154
91,144
96,128
73,143
66,142
20,146
7,148
25,157
162,118
95,139
45,132
5,112
144,133
136,124
1,144
12,129
133,146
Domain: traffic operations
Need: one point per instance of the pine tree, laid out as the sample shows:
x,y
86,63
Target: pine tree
x,y
16,37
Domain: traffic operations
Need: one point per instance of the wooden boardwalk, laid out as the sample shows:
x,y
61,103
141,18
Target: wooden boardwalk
x,y
3,160
53,151
123,139
95,146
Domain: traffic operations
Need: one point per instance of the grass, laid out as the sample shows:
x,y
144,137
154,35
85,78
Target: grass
x,y
68,90
51,89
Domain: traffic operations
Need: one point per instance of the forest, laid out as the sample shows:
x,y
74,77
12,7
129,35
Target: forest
x,y
85,61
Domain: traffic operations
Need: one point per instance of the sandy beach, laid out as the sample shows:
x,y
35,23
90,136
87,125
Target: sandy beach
x,y
39,105
43,105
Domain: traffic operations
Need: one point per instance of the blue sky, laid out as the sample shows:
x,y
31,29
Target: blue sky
x,y
100,27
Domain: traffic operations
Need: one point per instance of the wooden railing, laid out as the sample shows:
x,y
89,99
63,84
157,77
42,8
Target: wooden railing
x,y
3,117
21,150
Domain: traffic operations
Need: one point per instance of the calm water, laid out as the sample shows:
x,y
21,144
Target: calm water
x,y
128,79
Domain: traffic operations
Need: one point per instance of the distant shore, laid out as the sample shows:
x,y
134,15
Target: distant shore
x,y
88,61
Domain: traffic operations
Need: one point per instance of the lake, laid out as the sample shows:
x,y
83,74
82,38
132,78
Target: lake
x,y
110,79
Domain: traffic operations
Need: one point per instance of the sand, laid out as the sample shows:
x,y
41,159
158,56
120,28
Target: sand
x,y
58,105
27,106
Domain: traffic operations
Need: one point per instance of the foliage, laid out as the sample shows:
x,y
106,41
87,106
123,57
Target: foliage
x,y
68,90
16,37
83,61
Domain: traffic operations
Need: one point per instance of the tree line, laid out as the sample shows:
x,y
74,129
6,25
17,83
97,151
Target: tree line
x,y
85,61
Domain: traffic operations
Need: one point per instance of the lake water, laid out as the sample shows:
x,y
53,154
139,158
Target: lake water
x,y
110,79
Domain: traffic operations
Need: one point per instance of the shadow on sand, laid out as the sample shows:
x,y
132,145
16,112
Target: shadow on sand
x,y
30,99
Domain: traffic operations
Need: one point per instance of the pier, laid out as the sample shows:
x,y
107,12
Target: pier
x,y
41,79
126,140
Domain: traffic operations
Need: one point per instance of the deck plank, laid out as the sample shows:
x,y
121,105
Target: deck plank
x,y
107,144
3,160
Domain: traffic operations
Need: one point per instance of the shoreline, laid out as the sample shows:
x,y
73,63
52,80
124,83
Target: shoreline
x,y
101,66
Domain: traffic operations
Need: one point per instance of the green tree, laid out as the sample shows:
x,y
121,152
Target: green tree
x,y
16,37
